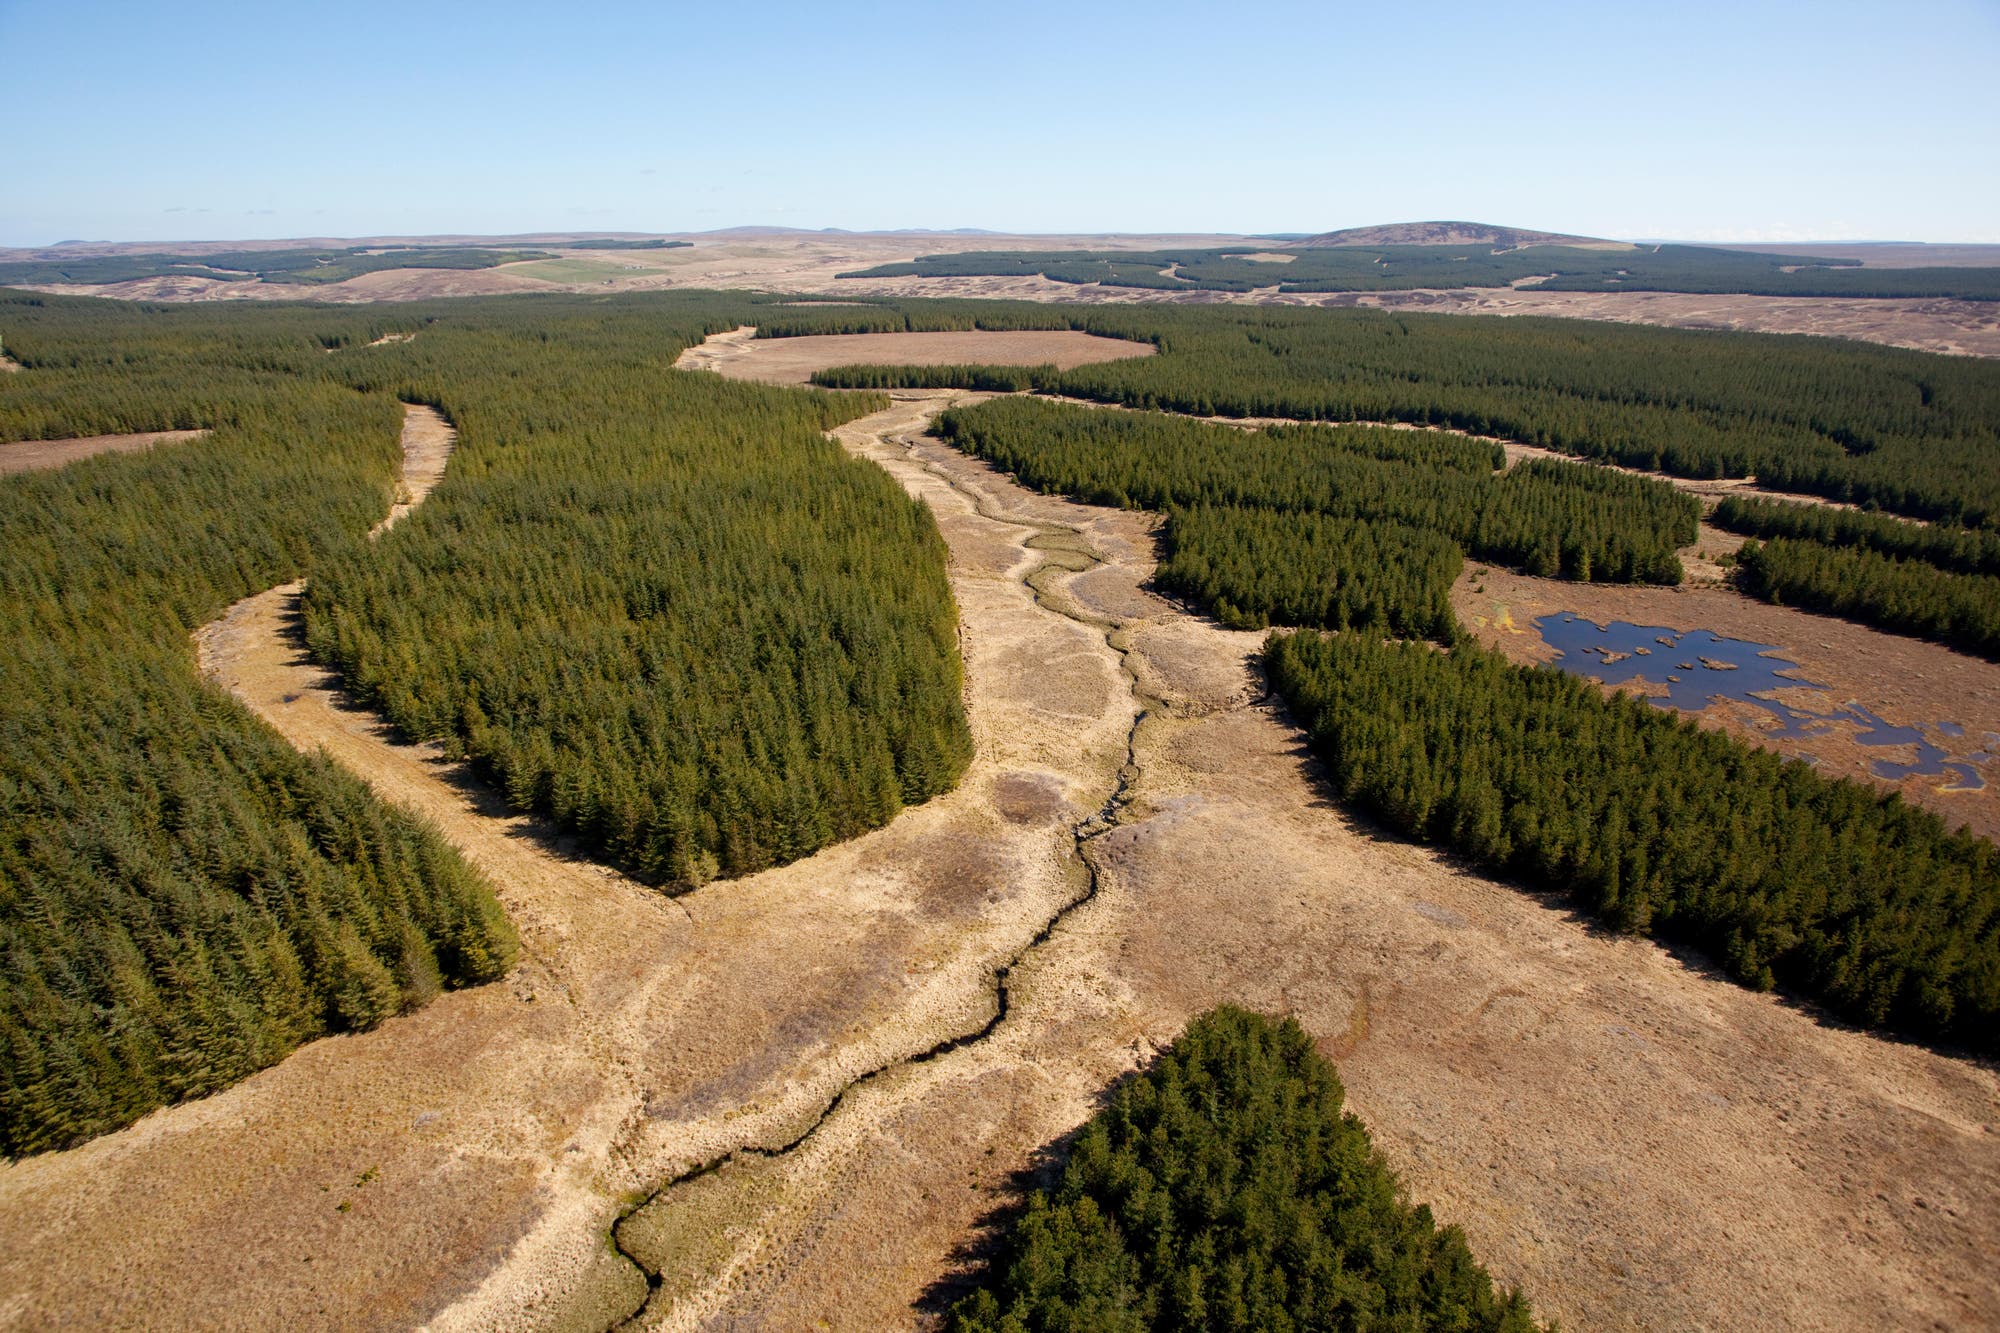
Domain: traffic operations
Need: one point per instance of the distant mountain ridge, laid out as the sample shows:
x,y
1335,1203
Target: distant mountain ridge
x,y
1447,233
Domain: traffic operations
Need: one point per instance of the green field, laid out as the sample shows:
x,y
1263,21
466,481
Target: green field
x,y
572,271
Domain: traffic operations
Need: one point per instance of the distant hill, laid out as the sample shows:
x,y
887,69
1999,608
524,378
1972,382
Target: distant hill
x,y
1449,233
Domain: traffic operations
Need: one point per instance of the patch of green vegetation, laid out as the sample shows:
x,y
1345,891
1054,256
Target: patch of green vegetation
x,y
1225,1188
627,245
338,266
572,270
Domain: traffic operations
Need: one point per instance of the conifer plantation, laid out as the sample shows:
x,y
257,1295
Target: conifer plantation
x,y
661,608
1935,581
1225,1188
1903,596
1910,432
183,896
1825,888
1333,525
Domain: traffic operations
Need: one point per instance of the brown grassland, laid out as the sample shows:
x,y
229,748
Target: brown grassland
x,y
1635,1140
809,263
37,455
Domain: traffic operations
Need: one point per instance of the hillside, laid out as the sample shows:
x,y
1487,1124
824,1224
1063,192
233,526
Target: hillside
x,y
1451,233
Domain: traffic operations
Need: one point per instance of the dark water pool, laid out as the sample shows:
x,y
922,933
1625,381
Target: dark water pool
x,y
1691,669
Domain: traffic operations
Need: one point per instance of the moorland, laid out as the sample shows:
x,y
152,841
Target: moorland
x,y
697,807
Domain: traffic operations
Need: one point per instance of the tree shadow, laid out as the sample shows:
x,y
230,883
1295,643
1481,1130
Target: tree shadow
x,y
482,795
1562,902
972,1261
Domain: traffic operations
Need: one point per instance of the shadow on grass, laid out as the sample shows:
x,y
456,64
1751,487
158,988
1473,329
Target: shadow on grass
x,y
1686,954
973,1261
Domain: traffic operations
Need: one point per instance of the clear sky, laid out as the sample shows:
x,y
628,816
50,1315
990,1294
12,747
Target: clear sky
x,y
1738,121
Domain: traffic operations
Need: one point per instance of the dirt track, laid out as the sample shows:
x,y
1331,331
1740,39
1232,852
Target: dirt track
x,y
40,455
1637,1141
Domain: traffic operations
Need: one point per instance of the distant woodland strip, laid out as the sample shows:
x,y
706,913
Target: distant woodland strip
x,y
307,267
1911,433
1651,268
1224,1188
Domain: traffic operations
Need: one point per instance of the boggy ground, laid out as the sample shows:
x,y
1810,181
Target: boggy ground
x,y
1634,1139
1904,681
1638,1142
1907,682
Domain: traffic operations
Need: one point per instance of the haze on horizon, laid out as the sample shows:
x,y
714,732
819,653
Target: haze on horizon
x,y
1746,122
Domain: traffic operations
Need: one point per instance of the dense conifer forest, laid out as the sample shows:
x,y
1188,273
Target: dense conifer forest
x,y
1903,596
183,896
1333,525
1825,888
1909,432
661,608
1960,550
1258,567
1224,1188
1936,581
274,266
1380,268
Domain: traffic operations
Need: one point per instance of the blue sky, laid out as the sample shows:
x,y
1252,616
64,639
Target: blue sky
x,y
1744,121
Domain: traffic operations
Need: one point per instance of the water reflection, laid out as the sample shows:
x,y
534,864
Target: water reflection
x,y
1691,669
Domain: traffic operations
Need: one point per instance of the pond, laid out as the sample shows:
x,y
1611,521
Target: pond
x,y
1690,669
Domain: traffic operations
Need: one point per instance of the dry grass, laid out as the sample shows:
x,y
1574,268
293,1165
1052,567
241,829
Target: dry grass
x,y
40,455
781,262
1639,1142
742,355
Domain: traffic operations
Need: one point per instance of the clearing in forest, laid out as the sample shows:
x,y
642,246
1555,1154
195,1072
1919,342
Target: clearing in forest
x,y
38,455
743,356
